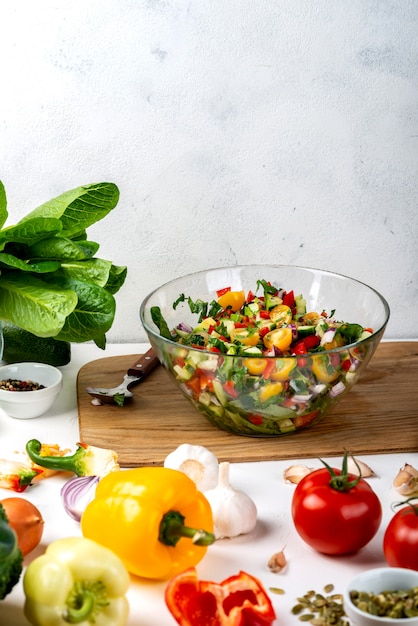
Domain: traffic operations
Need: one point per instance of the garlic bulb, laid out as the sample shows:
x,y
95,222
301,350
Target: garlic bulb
x,y
234,513
197,462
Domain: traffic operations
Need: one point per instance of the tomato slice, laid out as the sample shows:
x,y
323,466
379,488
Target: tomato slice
x,y
238,600
233,299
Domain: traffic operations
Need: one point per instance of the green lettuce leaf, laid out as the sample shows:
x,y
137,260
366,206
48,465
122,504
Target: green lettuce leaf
x,y
34,305
3,205
30,232
92,316
11,261
92,270
79,208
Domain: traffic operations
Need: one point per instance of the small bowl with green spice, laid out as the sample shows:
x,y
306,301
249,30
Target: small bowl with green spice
x,y
383,596
28,390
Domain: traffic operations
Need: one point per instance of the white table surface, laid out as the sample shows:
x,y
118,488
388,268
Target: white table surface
x,y
263,482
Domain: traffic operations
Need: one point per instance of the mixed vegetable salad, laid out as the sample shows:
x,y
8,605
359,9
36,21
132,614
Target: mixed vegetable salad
x,y
260,362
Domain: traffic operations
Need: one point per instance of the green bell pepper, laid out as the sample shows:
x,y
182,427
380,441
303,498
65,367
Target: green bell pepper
x,y
76,581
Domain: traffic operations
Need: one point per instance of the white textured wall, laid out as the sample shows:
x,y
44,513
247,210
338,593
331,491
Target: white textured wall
x,y
277,131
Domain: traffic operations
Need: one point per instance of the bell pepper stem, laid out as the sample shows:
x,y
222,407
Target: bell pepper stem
x,y
71,463
85,602
172,528
83,612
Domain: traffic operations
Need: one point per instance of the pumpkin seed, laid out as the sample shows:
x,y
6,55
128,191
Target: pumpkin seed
x,y
321,610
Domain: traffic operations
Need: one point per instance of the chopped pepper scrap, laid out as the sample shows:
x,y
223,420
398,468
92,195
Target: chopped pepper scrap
x,y
155,518
16,475
238,600
86,461
76,581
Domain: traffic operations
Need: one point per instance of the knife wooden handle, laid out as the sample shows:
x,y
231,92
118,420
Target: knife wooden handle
x,y
144,365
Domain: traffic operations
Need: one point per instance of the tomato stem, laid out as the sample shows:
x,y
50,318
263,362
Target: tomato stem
x,y
409,502
342,481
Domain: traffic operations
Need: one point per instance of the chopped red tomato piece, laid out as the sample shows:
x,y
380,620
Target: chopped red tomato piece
x,y
271,364
303,420
289,299
240,600
255,419
229,388
221,292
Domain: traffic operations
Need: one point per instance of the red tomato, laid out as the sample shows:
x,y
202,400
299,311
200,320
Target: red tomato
x,y
400,541
334,519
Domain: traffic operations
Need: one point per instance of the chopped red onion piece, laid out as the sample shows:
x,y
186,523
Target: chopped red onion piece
x,y
337,389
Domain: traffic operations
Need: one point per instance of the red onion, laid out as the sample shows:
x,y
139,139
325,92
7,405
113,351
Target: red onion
x,y
185,327
336,389
76,493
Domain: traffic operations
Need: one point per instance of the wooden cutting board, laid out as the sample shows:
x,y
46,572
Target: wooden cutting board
x,y
379,415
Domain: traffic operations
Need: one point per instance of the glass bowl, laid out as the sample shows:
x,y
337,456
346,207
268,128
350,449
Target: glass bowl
x,y
268,389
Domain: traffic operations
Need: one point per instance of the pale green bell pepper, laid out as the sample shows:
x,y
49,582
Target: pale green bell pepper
x,y
76,581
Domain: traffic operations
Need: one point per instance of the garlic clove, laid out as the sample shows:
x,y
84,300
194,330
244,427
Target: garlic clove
x,y
406,480
197,462
357,467
277,562
234,512
295,473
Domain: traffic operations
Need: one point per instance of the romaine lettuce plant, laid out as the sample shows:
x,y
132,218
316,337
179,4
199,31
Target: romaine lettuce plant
x,y
51,282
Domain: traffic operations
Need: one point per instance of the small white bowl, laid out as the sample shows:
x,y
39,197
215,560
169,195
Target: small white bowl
x,y
375,581
28,404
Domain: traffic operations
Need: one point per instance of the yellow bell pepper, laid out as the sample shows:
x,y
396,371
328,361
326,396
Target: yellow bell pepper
x,y
152,518
233,299
76,581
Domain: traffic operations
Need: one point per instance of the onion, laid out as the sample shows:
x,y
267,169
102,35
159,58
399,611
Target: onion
x,y
302,398
77,493
317,389
336,390
294,330
328,336
185,327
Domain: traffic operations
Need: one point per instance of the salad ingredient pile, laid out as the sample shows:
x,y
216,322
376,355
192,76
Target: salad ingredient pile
x,y
261,364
